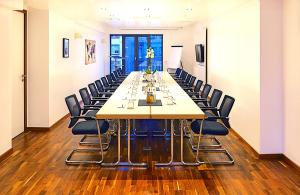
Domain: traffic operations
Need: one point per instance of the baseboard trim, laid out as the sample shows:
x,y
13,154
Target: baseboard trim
x,y
290,162
38,128
59,121
281,157
270,156
6,154
245,142
56,124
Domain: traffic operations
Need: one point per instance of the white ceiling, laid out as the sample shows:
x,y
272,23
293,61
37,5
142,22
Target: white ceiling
x,y
138,13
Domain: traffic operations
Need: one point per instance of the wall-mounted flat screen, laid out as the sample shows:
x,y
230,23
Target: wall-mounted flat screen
x,y
199,49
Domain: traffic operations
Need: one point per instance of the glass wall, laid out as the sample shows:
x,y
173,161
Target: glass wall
x,y
129,52
116,52
156,42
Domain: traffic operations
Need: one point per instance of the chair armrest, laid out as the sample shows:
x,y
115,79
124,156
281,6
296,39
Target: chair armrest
x,y
200,100
99,98
105,93
210,108
92,106
194,93
83,117
216,117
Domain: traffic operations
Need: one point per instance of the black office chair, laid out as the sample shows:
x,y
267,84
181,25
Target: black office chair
x,y
96,93
177,73
212,102
191,91
112,79
182,76
204,93
186,81
221,113
192,81
106,85
121,71
205,104
116,77
211,128
89,126
91,101
101,90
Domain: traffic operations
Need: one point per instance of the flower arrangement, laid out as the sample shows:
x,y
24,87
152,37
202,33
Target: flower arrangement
x,y
150,53
149,56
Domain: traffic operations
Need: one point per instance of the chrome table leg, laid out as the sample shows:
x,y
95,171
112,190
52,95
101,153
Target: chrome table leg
x,y
119,148
128,149
172,148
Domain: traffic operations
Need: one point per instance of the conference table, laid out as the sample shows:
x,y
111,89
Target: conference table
x,y
176,104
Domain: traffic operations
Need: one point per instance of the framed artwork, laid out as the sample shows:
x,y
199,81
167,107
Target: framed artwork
x,y
65,48
90,51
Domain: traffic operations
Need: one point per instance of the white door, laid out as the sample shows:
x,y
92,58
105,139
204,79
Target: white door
x,y
17,58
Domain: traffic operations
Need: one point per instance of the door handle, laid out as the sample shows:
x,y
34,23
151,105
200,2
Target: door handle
x,y
24,76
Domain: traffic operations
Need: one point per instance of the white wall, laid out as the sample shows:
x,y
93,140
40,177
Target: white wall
x,y
291,45
234,66
12,4
51,77
68,75
271,77
170,37
5,79
193,34
38,68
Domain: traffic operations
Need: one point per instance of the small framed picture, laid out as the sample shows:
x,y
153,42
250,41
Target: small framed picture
x,y
65,48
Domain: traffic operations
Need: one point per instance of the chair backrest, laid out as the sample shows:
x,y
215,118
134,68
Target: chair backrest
x,y
113,77
104,82
74,108
192,81
85,96
109,79
206,90
183,75
188,78
99,86
116,74
215,97
178,71
119,71
226,106
93,90
198,86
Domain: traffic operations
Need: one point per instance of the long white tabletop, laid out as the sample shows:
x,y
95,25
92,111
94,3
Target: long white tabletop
x,y
183,108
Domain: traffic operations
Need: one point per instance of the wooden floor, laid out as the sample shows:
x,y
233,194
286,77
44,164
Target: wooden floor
x,y
37,166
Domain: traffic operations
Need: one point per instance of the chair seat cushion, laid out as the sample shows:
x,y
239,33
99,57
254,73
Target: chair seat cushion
x,y
91,113
209,128
90,127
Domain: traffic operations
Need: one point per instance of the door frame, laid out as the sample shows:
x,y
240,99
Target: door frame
x,y
25,67
136,48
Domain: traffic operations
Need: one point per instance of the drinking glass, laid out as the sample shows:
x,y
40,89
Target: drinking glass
x,y
130,104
